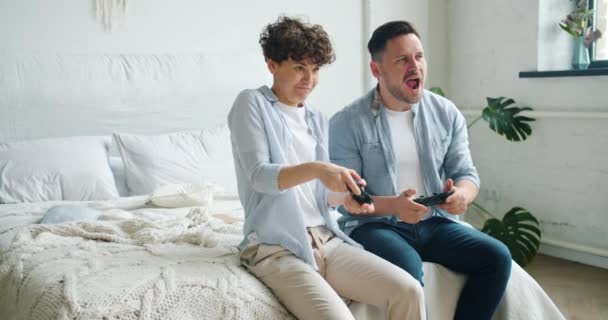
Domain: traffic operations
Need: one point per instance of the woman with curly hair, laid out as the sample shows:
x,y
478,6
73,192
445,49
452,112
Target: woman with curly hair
x,y
284,176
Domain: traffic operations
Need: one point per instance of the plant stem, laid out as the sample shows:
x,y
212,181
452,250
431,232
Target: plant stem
x,y
482,209
473,122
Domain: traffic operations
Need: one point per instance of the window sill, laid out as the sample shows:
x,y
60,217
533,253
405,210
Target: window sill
x,y
564,73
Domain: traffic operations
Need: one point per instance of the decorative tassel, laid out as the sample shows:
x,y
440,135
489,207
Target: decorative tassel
x,y
110,12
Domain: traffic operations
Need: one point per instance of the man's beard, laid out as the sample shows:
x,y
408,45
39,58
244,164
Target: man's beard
x,y
396,92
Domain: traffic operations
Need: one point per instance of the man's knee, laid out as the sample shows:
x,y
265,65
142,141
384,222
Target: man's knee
x,y
390,247
418,274
501,258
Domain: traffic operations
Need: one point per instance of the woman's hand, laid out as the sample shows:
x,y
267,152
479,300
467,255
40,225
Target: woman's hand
x,y
354,207
337,178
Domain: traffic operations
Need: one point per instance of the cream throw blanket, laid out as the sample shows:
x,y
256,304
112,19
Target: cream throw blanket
x,y
138,262
146,263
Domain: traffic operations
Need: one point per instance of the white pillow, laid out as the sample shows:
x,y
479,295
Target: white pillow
x,y
72,168
118,170
220,163
154,161
200,158
182,195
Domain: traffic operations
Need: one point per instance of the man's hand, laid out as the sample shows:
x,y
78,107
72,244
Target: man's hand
x,y
337,178
406,209
456,203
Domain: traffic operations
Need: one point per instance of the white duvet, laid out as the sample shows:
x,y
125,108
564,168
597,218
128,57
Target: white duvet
x,y
138,262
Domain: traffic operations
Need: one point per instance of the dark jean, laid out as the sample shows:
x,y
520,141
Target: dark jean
x,y
485,260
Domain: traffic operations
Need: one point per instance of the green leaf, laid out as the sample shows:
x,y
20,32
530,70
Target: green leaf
x,y
568,29
503,118
519,230
437,90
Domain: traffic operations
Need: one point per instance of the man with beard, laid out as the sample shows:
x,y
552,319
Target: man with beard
x,y
405,142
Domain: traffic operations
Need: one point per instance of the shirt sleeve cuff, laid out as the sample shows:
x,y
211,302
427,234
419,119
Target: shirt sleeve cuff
x,y
267,181
469,178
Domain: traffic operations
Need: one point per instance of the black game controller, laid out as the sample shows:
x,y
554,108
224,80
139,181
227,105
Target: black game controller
x,y
364,197
435,199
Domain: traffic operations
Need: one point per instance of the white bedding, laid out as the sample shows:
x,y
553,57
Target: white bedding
x,y
137,262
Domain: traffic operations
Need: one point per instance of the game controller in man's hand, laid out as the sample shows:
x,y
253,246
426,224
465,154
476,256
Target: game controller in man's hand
x,y
362,198
435,199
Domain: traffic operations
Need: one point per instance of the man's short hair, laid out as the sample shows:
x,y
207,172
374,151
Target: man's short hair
x,y
291,38
386,32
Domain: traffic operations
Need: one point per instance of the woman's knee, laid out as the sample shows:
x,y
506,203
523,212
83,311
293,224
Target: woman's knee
x,y
408,262
409,288
402,297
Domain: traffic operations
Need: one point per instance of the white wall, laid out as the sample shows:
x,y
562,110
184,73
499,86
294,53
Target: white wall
x,y
560,174
191,26
187,26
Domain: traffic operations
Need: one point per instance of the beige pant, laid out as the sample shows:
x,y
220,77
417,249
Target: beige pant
x,y
344,270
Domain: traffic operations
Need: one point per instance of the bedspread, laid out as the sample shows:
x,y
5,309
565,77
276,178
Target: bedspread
x,y
134,263
140,262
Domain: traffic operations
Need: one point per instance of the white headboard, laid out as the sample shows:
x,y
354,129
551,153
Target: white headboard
x,y
54,95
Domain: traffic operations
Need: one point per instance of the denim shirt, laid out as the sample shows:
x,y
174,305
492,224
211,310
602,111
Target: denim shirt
x,y
360,139
260,140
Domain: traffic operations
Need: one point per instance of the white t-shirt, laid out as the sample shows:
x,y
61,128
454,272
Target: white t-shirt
x,y
407,166
302,150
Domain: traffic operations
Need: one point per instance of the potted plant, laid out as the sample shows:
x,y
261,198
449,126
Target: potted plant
x,y
519,230
578,23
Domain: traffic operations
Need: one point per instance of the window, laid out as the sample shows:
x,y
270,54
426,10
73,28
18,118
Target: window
x,y
599,49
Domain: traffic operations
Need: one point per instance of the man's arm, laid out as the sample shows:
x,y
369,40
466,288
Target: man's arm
x,y
402,206
470,190
458,163
465,192
459,169
343,149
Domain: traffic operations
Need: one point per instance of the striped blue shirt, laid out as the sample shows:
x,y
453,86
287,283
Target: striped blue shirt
x,y
360,139
260,137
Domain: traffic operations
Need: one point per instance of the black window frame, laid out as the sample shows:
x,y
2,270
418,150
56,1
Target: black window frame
x,y
596,63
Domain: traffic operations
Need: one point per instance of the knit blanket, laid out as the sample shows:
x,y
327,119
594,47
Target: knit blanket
x,y
140,262
134,262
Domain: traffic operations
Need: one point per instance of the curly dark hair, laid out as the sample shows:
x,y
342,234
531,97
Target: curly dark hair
x,y
291,38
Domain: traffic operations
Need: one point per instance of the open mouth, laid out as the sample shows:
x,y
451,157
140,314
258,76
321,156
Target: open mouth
x,y
413,84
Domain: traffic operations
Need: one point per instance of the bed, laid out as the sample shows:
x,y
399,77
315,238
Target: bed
x,y
159,240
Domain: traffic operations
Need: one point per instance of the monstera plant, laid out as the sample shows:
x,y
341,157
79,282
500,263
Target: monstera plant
x,y
519,230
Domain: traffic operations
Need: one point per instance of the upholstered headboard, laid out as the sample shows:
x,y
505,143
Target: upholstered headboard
x,y
53,95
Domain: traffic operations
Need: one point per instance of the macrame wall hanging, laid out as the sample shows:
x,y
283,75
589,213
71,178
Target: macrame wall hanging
x,y
110,13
